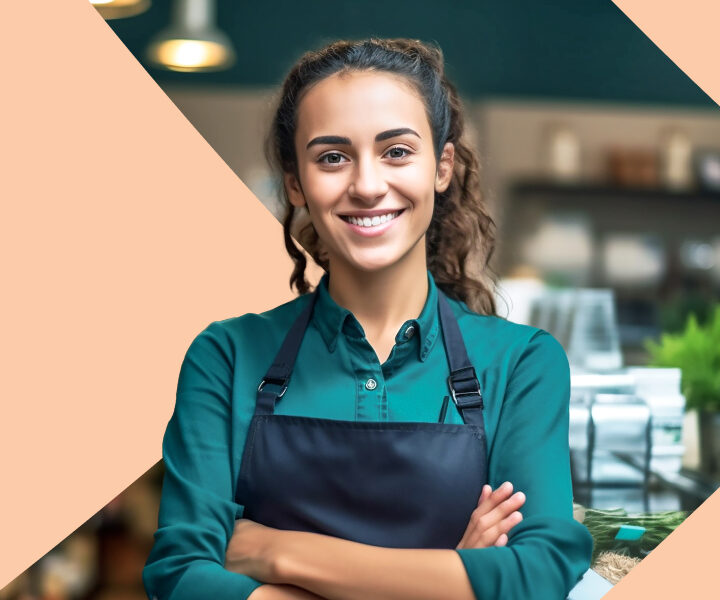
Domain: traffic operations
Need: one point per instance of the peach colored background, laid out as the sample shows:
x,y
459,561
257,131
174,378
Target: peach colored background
x,y
685,563
123,235
687,32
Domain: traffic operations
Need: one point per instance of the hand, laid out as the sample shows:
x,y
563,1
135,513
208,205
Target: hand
x,y
251,551
495,515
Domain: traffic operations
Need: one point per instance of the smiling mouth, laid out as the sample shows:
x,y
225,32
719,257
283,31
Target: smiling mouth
x,y
371,221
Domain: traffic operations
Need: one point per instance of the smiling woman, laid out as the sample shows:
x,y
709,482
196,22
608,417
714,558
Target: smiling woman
x,y
364,440
364,148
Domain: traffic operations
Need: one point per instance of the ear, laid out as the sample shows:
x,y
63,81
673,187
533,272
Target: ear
x,y
444,172
294,190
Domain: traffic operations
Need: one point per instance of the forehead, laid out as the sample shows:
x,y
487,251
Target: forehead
x,y
362,103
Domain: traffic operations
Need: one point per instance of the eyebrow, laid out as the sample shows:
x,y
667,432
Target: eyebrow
x,y
383,135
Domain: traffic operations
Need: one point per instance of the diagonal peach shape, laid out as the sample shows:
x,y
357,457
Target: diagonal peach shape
x,y
123,235
687,32
684,565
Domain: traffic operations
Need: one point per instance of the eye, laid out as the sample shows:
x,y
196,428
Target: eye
x,y
396,149
334,156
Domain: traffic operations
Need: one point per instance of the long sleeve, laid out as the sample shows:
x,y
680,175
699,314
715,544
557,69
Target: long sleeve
x,y
197,508
548,551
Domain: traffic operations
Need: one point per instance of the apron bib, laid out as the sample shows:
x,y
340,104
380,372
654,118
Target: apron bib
x,y
388,483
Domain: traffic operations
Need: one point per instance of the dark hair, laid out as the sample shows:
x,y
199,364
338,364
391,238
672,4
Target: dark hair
x,y
461,232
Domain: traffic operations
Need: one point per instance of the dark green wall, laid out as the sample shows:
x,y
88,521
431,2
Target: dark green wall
x,y
566,49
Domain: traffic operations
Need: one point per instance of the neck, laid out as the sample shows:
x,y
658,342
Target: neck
x,y
382,300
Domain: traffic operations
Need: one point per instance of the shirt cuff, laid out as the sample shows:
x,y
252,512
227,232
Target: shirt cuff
x,y
204,579
541,562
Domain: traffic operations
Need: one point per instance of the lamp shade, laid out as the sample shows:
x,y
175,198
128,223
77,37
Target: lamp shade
x,y
119,9
192,42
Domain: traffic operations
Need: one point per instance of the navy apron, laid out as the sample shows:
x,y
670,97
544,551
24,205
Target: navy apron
x,y
388,483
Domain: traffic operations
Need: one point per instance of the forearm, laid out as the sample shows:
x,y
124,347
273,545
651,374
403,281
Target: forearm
x,y
282,592
339,569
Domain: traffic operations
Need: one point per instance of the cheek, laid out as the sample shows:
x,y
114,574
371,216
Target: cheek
x,y
324,188
417,184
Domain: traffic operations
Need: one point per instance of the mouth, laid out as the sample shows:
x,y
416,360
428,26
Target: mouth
x,y
374,221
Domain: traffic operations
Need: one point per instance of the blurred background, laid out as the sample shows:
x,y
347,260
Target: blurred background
x,y
601,167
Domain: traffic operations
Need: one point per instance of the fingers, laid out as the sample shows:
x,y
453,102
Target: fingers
x,y
486,503
500,494
481,508
502,540
496,535
491,509
509,522
502,528
484,494
481,505
492,500
505,508
487,525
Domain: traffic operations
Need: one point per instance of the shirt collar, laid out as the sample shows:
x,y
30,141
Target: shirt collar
x,y
330,319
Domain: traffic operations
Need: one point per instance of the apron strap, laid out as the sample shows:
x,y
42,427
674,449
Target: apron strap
x,y
281,369
462,382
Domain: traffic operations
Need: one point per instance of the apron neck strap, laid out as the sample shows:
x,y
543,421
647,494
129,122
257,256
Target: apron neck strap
x,y
281,369
462,382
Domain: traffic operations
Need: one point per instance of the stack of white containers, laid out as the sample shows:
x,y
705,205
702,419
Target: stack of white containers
x,y
611,412
660,389
637,411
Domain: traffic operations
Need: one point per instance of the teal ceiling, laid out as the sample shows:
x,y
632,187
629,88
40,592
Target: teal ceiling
x,y
565,49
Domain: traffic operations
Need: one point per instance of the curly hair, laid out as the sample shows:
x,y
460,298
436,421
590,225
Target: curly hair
x,y
461,233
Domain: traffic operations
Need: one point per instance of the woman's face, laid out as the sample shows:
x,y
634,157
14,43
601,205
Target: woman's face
x,y
367,169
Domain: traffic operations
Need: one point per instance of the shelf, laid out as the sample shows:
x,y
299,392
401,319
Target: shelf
x,y
696,485
532,185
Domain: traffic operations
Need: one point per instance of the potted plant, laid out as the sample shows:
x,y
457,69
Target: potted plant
x,y
696,351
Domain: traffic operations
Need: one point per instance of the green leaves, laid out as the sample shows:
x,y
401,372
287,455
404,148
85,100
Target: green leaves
x,y
604,525
696,351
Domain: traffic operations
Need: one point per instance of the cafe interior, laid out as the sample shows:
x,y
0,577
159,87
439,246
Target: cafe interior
x,y
600,163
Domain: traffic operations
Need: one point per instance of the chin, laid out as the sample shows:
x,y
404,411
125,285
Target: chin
x,y
371,265
368,263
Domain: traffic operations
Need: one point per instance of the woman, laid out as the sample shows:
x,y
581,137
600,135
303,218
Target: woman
x,y
362,464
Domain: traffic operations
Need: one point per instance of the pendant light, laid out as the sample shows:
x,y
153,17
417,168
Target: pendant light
x,y
119,9
192,42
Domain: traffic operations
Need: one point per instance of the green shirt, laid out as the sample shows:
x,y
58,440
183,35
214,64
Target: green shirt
x,y
525,378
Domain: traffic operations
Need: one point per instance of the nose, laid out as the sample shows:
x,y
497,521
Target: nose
x,y
368,181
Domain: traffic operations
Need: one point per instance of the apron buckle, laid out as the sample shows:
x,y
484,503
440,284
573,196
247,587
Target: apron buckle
x,y
456,395
274,380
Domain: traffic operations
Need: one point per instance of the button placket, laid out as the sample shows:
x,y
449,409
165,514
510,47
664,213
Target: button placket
x,y
372,390
369,379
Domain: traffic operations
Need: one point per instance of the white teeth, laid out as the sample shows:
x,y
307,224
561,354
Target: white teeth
x,y
372,222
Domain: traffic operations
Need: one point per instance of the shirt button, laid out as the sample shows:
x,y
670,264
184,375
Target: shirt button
x,y
370,384
409,332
